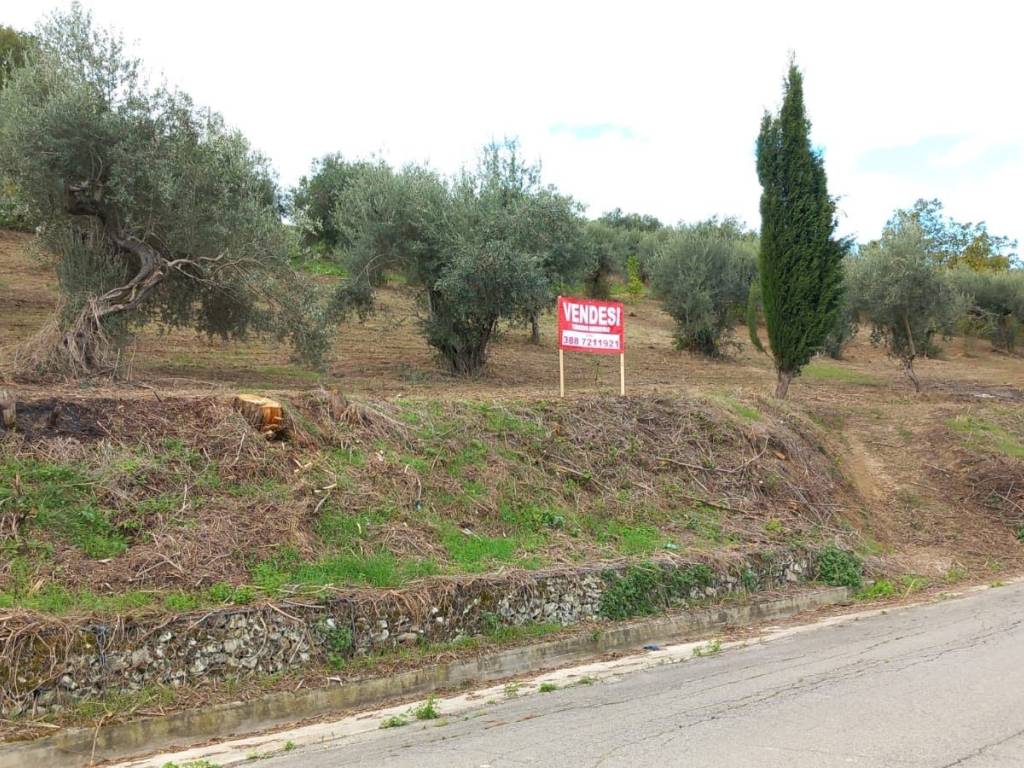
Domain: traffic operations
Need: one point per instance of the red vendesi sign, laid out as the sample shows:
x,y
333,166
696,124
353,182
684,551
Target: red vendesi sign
x,y
586,325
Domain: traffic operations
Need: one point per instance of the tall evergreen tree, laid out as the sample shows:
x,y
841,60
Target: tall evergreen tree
x,y
800,259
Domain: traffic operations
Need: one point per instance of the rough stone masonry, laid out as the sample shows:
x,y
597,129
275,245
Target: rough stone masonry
x,y
58,664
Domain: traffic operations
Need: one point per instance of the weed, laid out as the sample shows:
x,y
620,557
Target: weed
x,y
955,575
998,583
289,746
913,583
427,710
547,688
585,680
339,642
648,588
749,580
395,721
774,527
710,648
511,690
504,634
879,590
840,568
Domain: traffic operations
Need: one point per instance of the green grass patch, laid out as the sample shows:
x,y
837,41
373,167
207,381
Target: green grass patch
x,y
56,599
706,523
497,632
830,372
344,458
473,454
61,499
744,411
501,420
987,435
475,552
632,538
534,517
879,590
380,569
340,528
322,267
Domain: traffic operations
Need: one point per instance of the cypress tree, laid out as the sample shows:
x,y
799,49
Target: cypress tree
x,y
800,260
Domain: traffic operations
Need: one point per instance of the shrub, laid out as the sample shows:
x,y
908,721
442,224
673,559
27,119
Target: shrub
x,y
634,284
840,568
649,588
702,279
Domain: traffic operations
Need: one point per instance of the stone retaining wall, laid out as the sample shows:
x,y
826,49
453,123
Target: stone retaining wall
x,y
66,661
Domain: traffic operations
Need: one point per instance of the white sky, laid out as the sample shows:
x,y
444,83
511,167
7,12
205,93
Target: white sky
x,y
652,107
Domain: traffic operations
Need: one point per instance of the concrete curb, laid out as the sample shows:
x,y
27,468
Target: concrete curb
x,y
83,747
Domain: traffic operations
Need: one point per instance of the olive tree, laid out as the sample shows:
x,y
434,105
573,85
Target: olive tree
x,y
15,49
702,277
482,248
314,202
897,288
153,207
508,203
602,258
997,303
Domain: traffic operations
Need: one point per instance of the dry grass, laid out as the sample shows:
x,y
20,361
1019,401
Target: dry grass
x,y
876,431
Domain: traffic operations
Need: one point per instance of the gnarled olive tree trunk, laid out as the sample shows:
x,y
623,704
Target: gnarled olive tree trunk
x,y
83,345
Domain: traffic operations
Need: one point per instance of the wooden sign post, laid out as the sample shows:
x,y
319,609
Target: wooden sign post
x,y
586,325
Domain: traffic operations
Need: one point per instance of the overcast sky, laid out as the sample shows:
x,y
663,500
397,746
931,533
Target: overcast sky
x,y
651,107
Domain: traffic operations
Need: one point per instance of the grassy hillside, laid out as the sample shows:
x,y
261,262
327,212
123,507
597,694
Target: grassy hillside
x,y
179,502
155,494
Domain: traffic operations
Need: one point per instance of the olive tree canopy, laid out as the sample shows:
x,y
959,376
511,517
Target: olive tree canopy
x,y
487,246
154,208
905,297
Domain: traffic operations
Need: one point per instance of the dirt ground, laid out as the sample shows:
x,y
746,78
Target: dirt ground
x,y
894,446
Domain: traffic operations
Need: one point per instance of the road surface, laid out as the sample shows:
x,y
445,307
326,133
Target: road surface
x,y
934,685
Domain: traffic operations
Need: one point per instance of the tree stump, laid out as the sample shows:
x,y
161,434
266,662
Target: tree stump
x,y
265,415
8,411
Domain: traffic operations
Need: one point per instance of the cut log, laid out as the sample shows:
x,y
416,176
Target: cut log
x,y
8,411
265,415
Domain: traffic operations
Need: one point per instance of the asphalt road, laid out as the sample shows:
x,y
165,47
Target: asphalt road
x,y
935,685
